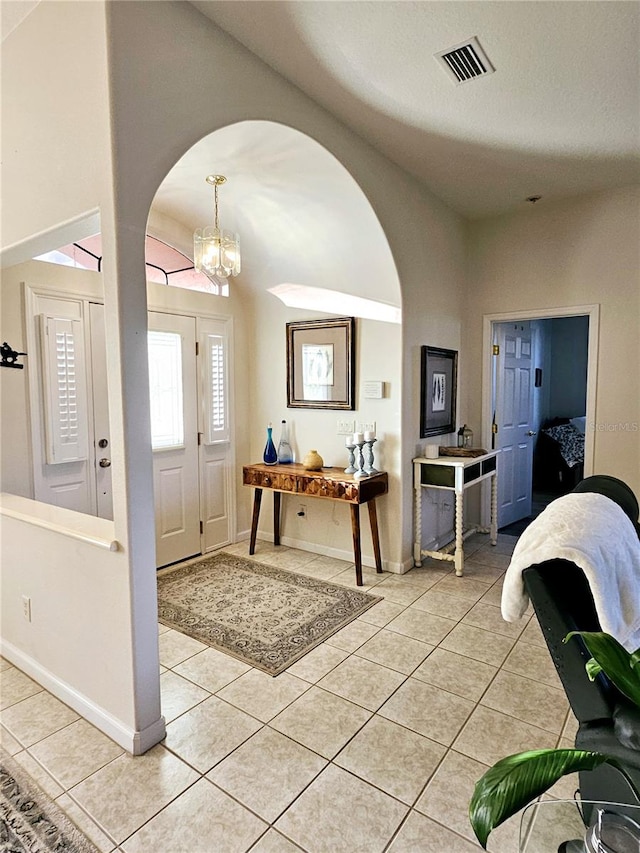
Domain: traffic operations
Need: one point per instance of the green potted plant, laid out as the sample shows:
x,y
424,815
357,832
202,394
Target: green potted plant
x,y
517,780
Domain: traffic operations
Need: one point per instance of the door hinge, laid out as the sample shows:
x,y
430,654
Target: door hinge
x,y
496,349
494,429
199,439
197,348
201,528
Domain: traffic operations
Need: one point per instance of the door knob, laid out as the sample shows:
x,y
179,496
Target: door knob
x,y
105,463
532,432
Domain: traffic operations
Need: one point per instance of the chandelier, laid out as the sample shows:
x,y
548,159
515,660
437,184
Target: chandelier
x,y
216,253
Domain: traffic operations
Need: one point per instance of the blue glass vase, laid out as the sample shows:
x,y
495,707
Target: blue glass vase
x,y
270,455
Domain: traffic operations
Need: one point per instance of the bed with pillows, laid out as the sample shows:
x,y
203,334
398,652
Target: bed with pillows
x,y
558,457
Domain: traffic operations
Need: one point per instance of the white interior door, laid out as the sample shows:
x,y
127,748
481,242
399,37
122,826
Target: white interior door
x,y
174,436
513,417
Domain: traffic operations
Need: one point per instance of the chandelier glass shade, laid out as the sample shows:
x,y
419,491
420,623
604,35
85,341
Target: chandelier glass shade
x,y
216,252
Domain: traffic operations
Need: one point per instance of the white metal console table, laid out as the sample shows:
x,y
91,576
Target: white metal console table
x,y
456,474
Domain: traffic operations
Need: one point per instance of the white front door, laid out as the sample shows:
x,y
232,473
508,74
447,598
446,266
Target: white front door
x,y
193,479
216,456
191,403
174,436
59,397
513,418
102,438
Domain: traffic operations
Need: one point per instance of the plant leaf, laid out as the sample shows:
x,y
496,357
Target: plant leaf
x,y
618,664
593,669
518,779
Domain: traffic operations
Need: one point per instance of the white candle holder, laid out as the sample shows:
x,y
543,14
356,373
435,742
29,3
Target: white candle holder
x,y
368,462
351,469
360,472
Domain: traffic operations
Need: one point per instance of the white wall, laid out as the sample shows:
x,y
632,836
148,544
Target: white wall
x,y
57,185
568,368
576,252
327,526
55,125
173,78
79,641
184,105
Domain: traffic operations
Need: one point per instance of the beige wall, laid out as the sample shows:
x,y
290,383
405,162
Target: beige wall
x,y
173,77
327,526
55,123
182,106
576,252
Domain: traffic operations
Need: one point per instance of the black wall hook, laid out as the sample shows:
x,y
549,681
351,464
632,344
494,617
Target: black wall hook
x,y
9,357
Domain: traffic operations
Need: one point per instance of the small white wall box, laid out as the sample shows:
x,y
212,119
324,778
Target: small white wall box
x,y
374,390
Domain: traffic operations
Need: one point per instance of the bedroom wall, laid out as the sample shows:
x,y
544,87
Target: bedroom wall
x,y
574,252
569,339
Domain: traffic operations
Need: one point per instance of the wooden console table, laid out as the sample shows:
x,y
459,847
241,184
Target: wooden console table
x,y
456,474
329,483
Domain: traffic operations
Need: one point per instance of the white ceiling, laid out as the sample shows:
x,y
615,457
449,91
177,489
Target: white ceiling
x,y
559,117
301,217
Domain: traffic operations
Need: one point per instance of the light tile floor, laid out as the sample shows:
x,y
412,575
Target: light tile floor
x,y
371,742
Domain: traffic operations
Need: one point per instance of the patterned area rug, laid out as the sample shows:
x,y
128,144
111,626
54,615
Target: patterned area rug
x,y
264,616
30,822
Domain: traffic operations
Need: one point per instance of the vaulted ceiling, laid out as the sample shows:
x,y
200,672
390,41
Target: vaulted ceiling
x,y
559,117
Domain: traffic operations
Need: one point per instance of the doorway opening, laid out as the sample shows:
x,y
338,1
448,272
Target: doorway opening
x,y
538,399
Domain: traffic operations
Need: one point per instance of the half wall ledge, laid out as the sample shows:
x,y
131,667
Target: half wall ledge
x,y
66,522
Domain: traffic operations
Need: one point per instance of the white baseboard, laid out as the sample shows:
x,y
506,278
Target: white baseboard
x,y
135,742
326,551
406,565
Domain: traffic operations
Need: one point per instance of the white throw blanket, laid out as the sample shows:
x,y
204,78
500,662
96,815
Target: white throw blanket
x,y
591,531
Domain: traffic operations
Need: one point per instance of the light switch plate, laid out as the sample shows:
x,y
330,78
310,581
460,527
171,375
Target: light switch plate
x,y
346,427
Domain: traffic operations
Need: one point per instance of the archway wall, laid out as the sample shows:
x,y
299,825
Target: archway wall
x,y
175,78
81,640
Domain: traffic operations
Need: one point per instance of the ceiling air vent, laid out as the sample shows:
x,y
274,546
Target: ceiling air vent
x,y
465,61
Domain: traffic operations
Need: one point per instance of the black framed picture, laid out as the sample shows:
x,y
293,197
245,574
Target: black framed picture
x,y
321,359
438,390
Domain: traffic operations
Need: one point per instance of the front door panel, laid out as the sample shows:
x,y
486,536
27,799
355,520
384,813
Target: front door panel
x,y
172,384
102,439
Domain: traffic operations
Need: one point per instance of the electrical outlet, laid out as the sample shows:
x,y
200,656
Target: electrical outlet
x,y
367,426
346,427
26,607
302,511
